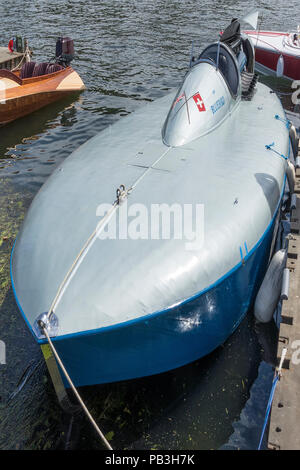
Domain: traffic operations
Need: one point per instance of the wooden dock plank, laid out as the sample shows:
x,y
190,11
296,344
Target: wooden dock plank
x,y
8,60
284,431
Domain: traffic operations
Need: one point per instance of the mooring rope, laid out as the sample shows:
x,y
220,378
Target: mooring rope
x,y
282,93
122,194
26,53
274,384
269,147
286,121
81,402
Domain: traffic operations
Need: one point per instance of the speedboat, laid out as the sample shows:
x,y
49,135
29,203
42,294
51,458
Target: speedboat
x,y
35,85
277,53
119,304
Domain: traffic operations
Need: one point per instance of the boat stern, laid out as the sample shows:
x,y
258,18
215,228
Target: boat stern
x,y
71,82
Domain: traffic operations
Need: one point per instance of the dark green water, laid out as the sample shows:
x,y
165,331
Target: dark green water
x,y
128,52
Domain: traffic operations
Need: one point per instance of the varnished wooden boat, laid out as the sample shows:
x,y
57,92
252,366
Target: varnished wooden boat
x,y
21,96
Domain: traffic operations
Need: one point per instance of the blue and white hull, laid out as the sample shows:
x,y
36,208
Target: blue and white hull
x,y
129,307
166,340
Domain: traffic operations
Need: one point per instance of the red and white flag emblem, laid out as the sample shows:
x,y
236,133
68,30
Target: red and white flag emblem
x,y
178,99
199,102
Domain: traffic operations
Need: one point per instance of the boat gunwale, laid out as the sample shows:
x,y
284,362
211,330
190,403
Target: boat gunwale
x,y
26,86
267,33
40,78
6,73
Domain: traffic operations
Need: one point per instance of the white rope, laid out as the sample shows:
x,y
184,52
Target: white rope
x,y
122,194
25,54
88,414
283,354
150,168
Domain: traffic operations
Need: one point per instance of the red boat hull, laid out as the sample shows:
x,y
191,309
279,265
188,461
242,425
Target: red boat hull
x,y
269,59
269,46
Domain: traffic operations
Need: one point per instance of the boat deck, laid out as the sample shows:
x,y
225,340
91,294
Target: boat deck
x,y
284,433
9,60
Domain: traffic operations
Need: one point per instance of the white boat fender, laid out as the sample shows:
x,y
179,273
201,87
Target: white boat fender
x,y
294,202
285,284
270,289
291,176
280,67
294,138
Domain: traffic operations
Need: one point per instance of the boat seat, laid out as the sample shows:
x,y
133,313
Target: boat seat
x,y
27,70
4,73
33,69
40,69
53,68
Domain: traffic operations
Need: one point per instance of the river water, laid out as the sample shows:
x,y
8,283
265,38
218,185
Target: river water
x,y
128,52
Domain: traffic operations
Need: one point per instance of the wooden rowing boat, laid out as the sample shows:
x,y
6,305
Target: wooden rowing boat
x,y
21,96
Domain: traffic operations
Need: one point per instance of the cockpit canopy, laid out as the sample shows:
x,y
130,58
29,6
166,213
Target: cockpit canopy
x,y
207,95
226,63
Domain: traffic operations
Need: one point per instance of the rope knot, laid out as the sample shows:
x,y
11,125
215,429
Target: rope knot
x,y
122,194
